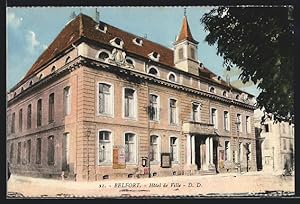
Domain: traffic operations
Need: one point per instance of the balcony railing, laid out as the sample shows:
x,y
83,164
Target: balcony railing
x,y
198,128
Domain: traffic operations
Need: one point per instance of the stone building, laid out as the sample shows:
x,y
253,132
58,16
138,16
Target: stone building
x,y
100,103
275,144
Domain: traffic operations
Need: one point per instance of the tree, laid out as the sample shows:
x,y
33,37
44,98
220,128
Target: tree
x,y
260,42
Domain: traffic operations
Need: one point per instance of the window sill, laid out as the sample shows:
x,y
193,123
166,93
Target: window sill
x,y
130,118
105,115
154,162
104,164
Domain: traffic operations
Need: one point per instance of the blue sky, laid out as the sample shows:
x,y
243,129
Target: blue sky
x,y
31,30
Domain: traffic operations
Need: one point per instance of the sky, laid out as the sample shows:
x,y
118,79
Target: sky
x,y
31,30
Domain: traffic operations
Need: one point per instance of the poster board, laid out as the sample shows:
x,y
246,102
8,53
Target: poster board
x,y
119,157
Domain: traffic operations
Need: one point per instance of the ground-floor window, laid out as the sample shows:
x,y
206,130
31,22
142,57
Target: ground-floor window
x,y
104,147
174,149
130,147
51,150
154,142
227,151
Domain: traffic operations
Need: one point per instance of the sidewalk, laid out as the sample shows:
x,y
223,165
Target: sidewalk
x,y
250,182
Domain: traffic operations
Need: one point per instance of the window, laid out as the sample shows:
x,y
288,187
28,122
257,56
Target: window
x,y
284,144
19,153
20,120
241,150
68,59
225,94
22,89
154,56
138,41
192,53
248,125
212,89
196,112
283,128
266,126
24,156
65,152
239,122
154,143
214,117
130,62
105,99
28,151
226,120
153,71
174,149
51,108
38,150
130,148
40,76
105,147
118,42
180,53
101,27
51,150
30,83
53,69
154,107
67,100
11,154
172,77
13,118
129,102
29,116
227,151
237,97
173,111
103,56
39,113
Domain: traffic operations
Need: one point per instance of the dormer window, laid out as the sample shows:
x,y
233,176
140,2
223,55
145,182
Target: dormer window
x,y
103,55
172,77
225,94
212,90
153,71
138,41
118,42
154,56
101,27
53,69
130,61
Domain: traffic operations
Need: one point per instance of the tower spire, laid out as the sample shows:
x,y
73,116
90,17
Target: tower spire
x,y
185,32
184,11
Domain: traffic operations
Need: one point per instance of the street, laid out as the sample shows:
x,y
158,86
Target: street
x,y
229,184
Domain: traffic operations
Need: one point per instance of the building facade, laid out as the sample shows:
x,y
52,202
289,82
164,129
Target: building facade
x,y
275,147
100,103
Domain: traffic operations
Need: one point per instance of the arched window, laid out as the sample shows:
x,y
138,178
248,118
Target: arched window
x,y
103,55
22,89
40,76
129,102
153,71
118,42
53,69
51,150
225,93
154,107
30,83
174,149
105,146
130,61
68,59
212,89
15,93
172,77
130,147
237,97
154,143
138,41
105,97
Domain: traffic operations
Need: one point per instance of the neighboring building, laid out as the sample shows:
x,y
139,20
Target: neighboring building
x,y
97,90
275,147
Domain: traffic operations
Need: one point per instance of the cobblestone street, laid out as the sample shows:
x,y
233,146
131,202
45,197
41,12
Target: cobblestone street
x,y
231,184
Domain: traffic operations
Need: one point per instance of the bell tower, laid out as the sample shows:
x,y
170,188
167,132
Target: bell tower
x,y
185,49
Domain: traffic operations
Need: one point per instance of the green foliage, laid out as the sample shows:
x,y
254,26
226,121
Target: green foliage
x,y
260,41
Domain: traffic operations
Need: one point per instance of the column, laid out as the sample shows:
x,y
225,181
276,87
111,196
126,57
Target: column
x,y
207,151
188,149
193,149
211,150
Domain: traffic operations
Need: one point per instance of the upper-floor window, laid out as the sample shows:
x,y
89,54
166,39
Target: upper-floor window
x,y
103,55
101,27
118,42
30,83
237,97
39,113
130,61
13,120
51,108
266,128
153,71
180,53
29,112
130,148
53,69
226,120
174,149
20,120
284,144
105,99
51,150
227,151
154,143
239,122
173,111
154,107
214,117
138,41
40,76
192,53
67,100
196,112
68,59
154,56
248,124
105,147
172,77
212,90
130,103
225,94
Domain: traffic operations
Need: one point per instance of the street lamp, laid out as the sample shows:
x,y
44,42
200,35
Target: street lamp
x,y
238,143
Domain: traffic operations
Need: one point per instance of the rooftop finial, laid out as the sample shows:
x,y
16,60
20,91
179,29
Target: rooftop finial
x,y
184,11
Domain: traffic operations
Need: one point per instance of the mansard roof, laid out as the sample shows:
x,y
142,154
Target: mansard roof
x,y
83,27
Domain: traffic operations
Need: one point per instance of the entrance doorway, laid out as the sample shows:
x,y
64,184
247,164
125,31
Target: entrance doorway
x,y
198,152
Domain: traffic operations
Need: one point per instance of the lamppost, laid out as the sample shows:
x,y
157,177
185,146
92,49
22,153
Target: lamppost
x,y
238,146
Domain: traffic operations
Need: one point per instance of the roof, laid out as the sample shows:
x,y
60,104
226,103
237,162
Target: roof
x,y
185,32
84,26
